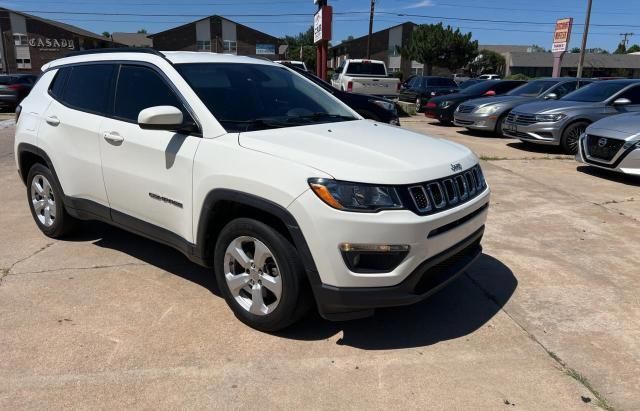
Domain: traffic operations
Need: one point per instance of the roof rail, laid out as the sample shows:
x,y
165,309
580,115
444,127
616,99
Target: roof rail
x,y
116,50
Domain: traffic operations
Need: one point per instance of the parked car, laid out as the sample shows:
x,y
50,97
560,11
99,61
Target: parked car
x,y
460,78
442,108
406,82
469,83
247,168
612,143
14,88
489,77
489,113
371,107
294,63
422,88
562,122
366,77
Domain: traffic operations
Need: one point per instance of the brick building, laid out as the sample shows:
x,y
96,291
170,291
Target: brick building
x,y
28,42
385,46
219,35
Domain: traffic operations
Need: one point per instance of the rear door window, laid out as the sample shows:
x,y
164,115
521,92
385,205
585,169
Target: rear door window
x,y
87,88
139,88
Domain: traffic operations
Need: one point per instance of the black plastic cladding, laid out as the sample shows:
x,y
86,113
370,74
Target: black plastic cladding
x,y
442,194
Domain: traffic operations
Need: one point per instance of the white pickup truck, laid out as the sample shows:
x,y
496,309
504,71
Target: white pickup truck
x,y
365,77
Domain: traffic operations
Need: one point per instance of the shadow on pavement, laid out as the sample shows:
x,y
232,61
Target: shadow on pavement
x,y
626,179
458,310
536,148
482,133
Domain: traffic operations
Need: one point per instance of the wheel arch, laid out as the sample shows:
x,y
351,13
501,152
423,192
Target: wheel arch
x,y
223,205
572,122
28,155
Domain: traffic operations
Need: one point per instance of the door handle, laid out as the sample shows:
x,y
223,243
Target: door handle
x,y
53,121
113,138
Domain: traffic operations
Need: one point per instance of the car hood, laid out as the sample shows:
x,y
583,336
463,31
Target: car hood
x,y
363,151
457,97
487,101
622,126
556,106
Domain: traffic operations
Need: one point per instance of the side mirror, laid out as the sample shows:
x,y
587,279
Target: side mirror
x,y
551,96
489,93
621,102
161,118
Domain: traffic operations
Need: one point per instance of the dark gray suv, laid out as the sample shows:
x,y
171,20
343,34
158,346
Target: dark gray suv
x,y
561,122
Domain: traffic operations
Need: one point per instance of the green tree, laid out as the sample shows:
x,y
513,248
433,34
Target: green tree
x,y
633,49
106,34
142,31
538,49
575,50
436,45
622,48
488,61
304,41
597,50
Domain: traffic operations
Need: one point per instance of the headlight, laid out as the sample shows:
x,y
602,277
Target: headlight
x,y
446,104
487,109
549,118
355,197
387,105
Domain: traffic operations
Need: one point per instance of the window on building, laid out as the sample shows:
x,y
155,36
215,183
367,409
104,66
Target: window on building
x,y
20,39
230,47
23,63
417,71
140,88
203,45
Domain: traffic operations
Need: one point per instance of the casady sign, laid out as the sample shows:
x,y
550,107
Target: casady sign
x,y
51,44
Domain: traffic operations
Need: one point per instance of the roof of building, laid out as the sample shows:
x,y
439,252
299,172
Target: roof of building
x,y
132,39
506,48
628,61
209,17
64,26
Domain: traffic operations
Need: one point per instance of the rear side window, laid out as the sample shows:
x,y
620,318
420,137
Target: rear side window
x,y
87,88
140,88
57,85
565,88
632,94
504,86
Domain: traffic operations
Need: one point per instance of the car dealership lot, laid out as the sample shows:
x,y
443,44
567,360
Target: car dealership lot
x,y
107,319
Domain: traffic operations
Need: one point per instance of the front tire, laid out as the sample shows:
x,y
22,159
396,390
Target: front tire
x,y
46,203
499,124
571,135
260,275
418,105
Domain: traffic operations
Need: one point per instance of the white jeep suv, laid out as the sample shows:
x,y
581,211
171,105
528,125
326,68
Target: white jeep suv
x,y
248,168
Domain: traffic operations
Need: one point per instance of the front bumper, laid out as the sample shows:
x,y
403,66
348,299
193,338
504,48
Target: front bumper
x,y
475,121
345,303
540,133
444,115
627,161
427,236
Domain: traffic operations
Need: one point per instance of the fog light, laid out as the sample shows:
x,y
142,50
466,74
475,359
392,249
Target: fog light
x,y
373,258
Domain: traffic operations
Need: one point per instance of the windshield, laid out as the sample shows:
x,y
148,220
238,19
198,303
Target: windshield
x,y
248,97
366,69
533,88
479,88
595,92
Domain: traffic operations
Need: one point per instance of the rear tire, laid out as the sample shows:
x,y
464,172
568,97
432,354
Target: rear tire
x,y
571,135
499,124
45,199
418,105
260,275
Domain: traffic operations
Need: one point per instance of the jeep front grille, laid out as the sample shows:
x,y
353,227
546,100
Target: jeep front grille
x,y
439,195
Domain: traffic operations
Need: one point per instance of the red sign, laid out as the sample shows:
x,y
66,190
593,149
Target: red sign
x,y
562,34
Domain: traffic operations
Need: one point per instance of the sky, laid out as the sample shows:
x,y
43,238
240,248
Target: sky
x,y
522,22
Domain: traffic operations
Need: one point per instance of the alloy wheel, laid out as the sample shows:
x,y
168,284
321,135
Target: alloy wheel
x,y
43,200
252,275
573,137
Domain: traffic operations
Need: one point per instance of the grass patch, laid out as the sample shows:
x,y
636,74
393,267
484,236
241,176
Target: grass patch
x,y
492,158
601,401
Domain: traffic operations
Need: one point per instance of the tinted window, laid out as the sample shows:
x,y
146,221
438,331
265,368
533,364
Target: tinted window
x,y
565,88
57,85
367,69
533,88
247,97
7,80
632,94
479,88
441,82
140,88
595,92
504,86
87,87
414,82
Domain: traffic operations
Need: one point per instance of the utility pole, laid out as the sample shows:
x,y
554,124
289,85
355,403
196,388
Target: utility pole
x,y
373,6
625,41
585,34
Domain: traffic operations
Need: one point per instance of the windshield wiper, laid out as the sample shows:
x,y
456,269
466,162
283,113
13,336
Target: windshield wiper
x,y
258,123
321,116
